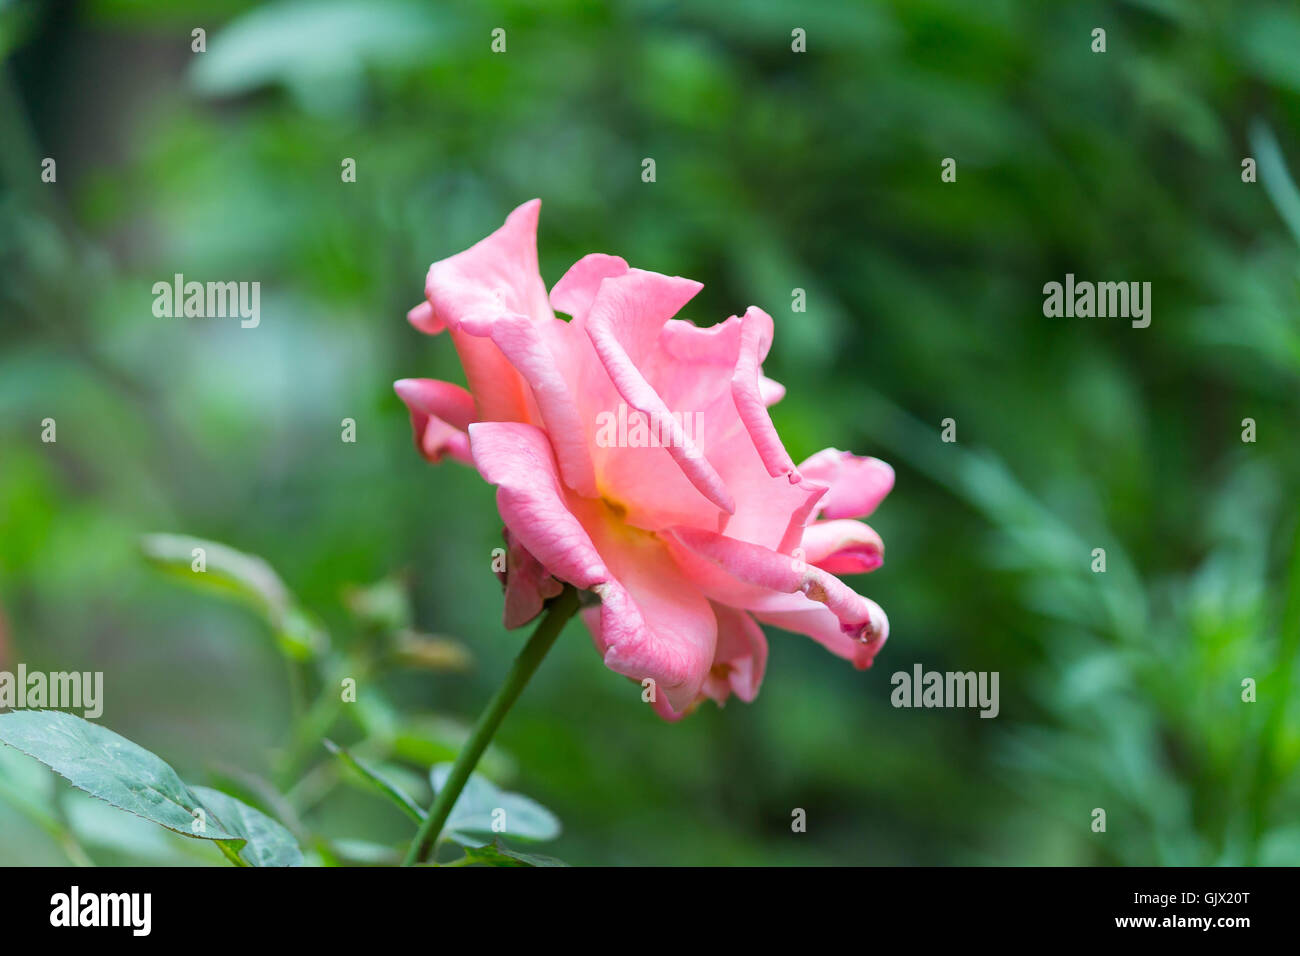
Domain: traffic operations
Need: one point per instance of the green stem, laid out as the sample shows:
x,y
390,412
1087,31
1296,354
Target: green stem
x,y
313,724
557,614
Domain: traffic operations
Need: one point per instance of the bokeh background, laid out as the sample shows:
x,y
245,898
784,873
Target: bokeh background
x,y
775,171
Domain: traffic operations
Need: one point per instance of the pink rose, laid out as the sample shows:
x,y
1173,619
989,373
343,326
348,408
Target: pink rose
x,y
634,457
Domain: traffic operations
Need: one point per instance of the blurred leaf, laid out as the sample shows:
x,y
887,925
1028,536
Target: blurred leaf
x,y
376,715
29,788
366,853
1273,173
314,47
1281,847
25,782
497,853
16,22
482,808
102,827
242,576
379,781
1270,38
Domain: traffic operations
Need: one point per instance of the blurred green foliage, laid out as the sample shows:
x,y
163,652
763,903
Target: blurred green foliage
x,y
775,171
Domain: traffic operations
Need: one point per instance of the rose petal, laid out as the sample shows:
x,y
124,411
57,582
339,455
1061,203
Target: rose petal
x,y
741,657
625,320
817,622
517,459
843,547
771,390
451,403
654,622
741,571
577,288
746,388
527,584
667,634
497,274
438,410
495,277
521,341
422,318
857,484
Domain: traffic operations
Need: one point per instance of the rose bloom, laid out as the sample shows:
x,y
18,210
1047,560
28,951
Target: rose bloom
x,y
689,538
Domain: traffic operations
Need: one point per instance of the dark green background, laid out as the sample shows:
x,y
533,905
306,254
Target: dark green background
x,y
775,171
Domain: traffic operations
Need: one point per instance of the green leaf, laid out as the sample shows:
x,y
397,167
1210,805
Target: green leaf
x,y
1277,182
363,853
482,808
317,46
266,842
497,853
379,781
299,634
110,767
246,578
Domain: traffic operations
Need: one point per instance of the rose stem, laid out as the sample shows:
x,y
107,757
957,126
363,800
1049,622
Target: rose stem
x,y
558,612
